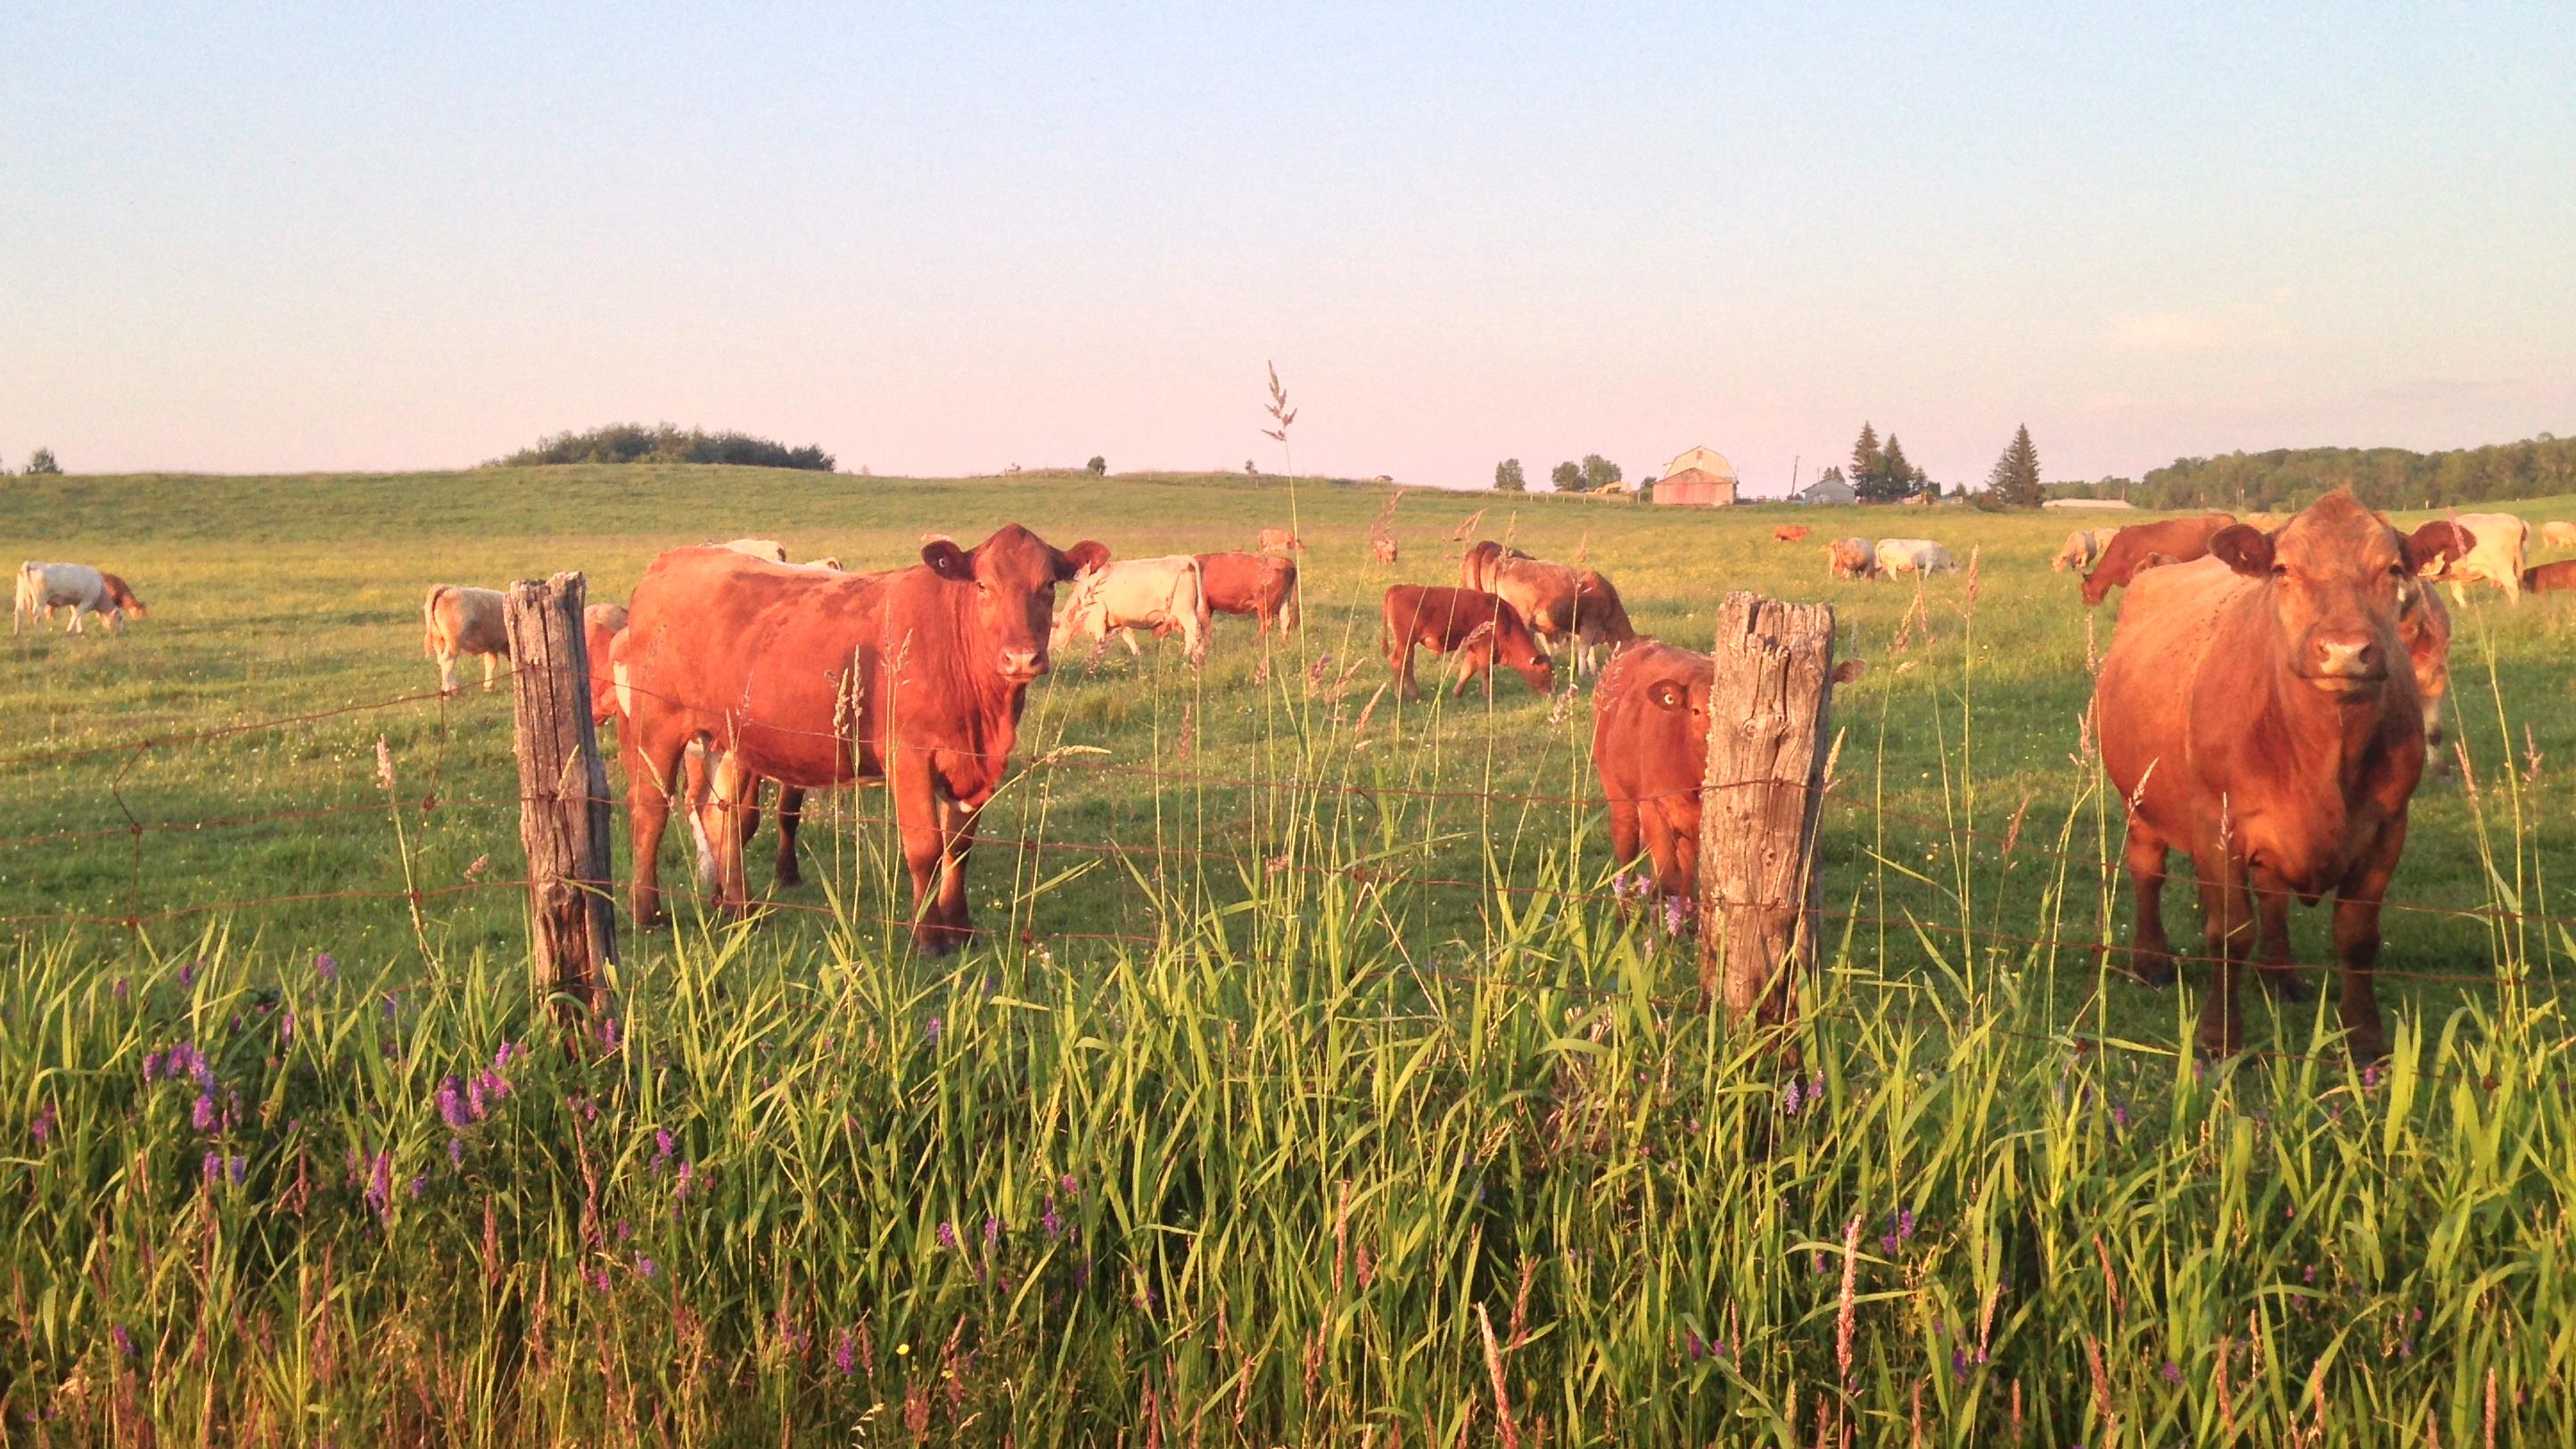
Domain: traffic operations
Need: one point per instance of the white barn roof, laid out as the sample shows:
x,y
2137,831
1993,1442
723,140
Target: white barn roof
x,y
1707,460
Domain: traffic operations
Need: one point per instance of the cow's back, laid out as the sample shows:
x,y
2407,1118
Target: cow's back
x,y
2551,578
2175,620
2125,554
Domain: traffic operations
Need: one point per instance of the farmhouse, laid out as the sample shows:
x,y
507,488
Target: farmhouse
x,y
1700,478
1829,490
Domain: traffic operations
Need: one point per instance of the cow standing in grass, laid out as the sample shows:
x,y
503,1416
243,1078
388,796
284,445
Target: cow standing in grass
x,y
1477,626
45,587
1260,586
459,622
916,677
2251,715
2177,540
2502,539
1650,748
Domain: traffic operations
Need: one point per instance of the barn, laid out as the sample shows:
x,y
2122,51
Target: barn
x,y
1700,478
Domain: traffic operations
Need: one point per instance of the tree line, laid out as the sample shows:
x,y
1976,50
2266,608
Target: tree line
x,y
663,443
2285,478
1591,475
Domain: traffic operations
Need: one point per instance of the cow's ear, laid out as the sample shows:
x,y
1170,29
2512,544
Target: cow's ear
x,y
2438,541
948,561
1081,559
2247,550
1849,670
1668,694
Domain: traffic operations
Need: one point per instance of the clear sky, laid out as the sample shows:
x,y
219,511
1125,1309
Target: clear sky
x,y
943,238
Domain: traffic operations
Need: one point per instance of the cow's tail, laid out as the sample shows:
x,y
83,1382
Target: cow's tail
x,y
429,620
1199,612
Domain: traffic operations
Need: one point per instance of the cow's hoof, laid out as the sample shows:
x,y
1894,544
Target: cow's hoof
x,y
790,878
938,941
2152,968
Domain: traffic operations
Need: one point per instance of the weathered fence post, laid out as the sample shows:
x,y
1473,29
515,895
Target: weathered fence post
x,y
563,791
1768,708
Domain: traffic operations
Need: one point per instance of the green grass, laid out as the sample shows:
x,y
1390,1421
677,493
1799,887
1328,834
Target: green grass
x,y
1506,1076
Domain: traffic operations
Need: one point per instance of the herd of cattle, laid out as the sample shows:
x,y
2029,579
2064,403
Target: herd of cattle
x,y
2248,709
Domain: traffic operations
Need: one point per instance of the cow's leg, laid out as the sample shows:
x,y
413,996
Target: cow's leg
x,y
2272,963
2151,957
1664,846
736,788
957,841
489,660
918,823
698,769
446,672
2227,924
652,770
2356,942
1399,657
1624,833
2459,595
1473,660
791,814
1128,638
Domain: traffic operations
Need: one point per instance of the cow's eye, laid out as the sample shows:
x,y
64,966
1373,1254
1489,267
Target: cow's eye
x,y
2280,571
2397,571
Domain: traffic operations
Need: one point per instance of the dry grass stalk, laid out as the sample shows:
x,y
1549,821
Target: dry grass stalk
x,y
2102,1391
1494,1371
1341,1234
1845,1314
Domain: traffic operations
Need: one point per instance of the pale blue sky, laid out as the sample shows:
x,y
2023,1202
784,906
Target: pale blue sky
x,y
945,238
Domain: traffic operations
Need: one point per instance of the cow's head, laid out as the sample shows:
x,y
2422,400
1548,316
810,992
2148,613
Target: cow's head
x,y
1012,576
121,595
1520,650
2335,579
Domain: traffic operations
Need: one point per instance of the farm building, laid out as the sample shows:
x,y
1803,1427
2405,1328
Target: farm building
x,y
1700,478
1827,490
2112,504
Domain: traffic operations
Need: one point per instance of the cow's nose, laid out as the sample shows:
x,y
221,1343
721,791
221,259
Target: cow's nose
x,y
2348,656
1023,663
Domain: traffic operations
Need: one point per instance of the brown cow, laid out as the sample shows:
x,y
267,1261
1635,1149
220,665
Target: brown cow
x,y
1650,748
1279,540
456,622
1600,620
2179,539
1467,620
600,625
1476,568
810,678
1790,532
1383,545
2550,578
2249,716
1263,586
1851,558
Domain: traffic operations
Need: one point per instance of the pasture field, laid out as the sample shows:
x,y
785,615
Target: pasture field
x,y
1311,1085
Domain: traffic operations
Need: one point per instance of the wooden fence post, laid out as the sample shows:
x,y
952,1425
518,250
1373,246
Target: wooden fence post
x,y
563,792
1768,708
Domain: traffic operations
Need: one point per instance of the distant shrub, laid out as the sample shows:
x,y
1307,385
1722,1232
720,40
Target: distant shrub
x,y
663,443
1098,465
42,461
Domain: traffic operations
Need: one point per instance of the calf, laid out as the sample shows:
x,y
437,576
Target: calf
x,y
456,622
45,587
1920,556
1263,586
2179,539
2250,716
1279,540
1650,748
1162,594
1477,625
1383,545
2495,557
1790,532
2558,533
1851,558
2550,578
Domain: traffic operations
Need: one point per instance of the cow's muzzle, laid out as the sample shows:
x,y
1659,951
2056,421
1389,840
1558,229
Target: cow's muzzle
x,y
1021,666
2346,663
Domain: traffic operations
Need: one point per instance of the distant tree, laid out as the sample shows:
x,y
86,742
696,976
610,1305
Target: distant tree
x,y
1508,477
42,461
1893,480
1599,472
2015,479
663,443
1251,467
1098,465
1868,464
1566,477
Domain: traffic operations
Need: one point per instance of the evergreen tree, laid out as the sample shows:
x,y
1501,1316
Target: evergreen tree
x,y
1894,478
1869,465
1508,477
2015,479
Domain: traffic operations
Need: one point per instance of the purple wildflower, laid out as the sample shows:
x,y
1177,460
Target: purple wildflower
x,y
120,988
2119,1115
947,1235
456,1153
451,1106
2406,1348
380,1184
474,1099
203,1115
44,1128
930,1031
845,1354
151,1067
1790,1097
2173,1372
992,1231
1676,914
1959,1364
123,1340
419,1185
1904,1223
214,1167
644,1266
1693,1344
1619,886
1070,1190
687,1179
501,1058
286,1025
625,1230
495,1086
1052,1220
1819,1261
662,1145
326,966
188,973
608,1033
2370,1074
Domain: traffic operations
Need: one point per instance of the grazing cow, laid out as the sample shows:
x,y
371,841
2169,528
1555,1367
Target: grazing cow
x,y
2558,533
1913,556
1790,532
1650,748
827,561
1851,558
1383,545
1600,621
1263,586
2180,540
1477,567
768,548
456,622
1162,594
600,626
2550,578
1279,540
916,677
2496,557
45,587
1476,624
1551,597
2249,716
2082,548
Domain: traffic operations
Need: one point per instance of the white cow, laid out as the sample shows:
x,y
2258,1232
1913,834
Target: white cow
x,y
1913,556
2083,549
1162,594
456,622
2497,558
45,587
2557,533
768,548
